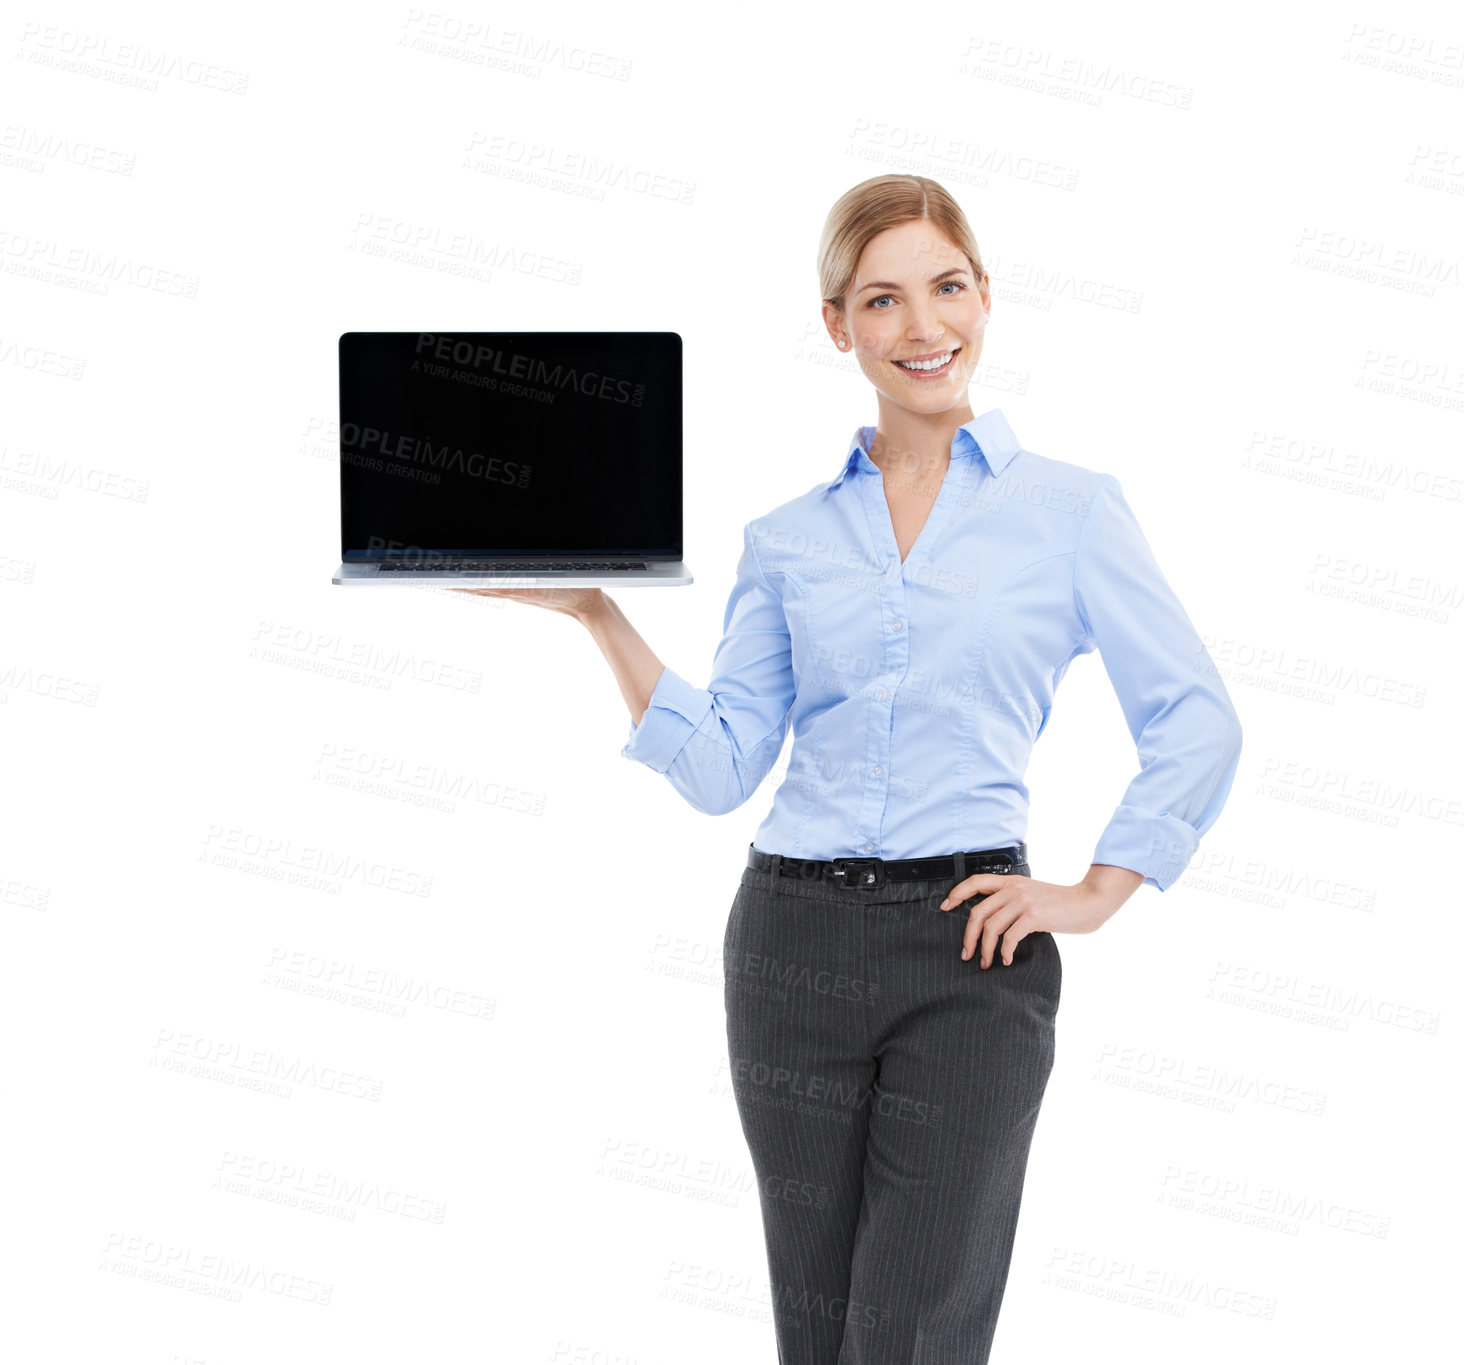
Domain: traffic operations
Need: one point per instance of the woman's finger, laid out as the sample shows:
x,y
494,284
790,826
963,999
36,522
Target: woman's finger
x,y
1015,905
1010,932
1013,934
992,910
988,905
567,600
975,885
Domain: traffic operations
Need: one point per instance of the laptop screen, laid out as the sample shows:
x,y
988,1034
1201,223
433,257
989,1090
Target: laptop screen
x,y
531,444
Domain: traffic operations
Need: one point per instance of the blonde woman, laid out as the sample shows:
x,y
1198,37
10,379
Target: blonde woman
x,y
892,975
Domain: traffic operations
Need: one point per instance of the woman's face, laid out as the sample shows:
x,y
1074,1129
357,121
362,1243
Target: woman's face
x,y
914,298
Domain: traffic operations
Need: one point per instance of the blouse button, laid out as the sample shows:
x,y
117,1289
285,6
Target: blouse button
x,y
895,625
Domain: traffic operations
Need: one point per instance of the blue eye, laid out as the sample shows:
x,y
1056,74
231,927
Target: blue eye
x,y
954,284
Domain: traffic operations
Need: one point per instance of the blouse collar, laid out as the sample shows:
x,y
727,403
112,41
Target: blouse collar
x,y
989,436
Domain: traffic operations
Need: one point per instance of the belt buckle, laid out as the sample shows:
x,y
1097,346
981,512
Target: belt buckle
x,y
872,871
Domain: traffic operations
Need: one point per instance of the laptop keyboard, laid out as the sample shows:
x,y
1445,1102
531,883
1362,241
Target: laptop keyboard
x,y
503,565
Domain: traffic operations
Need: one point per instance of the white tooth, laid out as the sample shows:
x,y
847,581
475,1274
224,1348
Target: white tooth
x,y
926,364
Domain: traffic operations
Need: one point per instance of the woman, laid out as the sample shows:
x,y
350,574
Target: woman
x,y
910,620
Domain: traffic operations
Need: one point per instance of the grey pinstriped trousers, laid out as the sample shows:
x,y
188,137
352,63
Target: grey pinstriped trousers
x,y
888,1092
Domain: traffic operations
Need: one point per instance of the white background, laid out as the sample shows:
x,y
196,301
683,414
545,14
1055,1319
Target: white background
x,y
307,1058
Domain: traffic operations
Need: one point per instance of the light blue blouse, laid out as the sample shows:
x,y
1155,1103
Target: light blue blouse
x,y
915,691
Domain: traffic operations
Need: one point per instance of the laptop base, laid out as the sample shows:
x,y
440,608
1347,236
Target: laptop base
x,y
657,576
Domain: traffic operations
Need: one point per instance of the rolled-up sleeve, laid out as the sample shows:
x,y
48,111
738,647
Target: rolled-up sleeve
x,y
716,744
1176,706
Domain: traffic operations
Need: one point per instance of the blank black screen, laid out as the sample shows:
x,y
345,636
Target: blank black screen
x,y
523,443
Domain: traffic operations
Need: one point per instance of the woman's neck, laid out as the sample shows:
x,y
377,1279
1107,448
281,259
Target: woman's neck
x,y
915,440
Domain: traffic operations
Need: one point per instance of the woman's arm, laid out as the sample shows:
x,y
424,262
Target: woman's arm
x,y
1184,725
631,659
715,744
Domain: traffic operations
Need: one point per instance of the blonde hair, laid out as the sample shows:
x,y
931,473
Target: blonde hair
x,y
862,213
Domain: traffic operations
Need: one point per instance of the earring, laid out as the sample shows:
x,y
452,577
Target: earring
x,y
842,343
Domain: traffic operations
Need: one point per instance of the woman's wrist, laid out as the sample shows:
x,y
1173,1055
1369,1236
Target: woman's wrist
x,y
598,608
1112,885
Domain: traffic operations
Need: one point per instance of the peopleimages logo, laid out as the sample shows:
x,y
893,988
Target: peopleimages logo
x,y
417,457
529,369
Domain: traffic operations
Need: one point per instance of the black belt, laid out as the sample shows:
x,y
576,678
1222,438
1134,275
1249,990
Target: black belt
x,y
952,867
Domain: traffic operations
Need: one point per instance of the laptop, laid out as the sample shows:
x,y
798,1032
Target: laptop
x,y
511,459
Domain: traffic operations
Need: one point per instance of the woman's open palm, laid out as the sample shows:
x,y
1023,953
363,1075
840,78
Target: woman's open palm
x,y
571,601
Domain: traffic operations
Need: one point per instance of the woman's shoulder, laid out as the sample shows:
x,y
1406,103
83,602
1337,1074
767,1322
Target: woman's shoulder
x,y
1029,467
795,511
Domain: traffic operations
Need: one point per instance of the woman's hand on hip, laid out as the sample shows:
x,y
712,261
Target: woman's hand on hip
x,y
1013,907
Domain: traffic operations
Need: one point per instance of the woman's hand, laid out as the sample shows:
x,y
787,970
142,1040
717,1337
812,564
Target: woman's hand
x,y
1013,907
577,602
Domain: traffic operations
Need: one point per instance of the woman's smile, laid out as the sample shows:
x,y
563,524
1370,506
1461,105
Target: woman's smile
x,y
923,369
